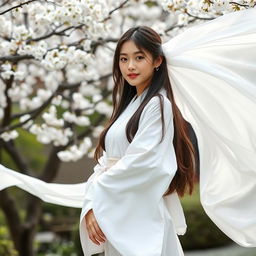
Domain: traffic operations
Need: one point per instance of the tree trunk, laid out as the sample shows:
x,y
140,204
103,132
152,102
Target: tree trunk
x,y
26,246
11,215
26,243
22,234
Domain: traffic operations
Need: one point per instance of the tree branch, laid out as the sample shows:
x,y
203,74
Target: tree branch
x,y
4,3
11,213
16,58
52,166
90,129
95,44
34,114
243,5
198,17
8,108
99,42
28,227
54,32
16,6
115,9
33,212
11,149
178,26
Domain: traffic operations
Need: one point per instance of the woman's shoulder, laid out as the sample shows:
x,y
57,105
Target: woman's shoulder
x,y
156,100
154,104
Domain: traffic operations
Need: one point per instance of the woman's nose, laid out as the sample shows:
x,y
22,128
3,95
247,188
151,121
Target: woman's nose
x,y
131,65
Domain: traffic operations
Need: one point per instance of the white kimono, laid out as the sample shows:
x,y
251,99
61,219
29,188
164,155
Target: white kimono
x,y
127,198
212,68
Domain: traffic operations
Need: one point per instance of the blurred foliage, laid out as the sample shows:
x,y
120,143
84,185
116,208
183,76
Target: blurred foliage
x,y
2,219
6,244
77,243
57,248
62,247
201,231
60,211
31,150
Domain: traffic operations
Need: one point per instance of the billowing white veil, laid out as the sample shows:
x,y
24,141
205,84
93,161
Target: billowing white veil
x,y
212,67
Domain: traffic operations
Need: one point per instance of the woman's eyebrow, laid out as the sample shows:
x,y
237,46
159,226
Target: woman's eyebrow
x,y
123,53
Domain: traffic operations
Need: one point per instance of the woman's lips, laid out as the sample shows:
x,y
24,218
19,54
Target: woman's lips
x,y
132,75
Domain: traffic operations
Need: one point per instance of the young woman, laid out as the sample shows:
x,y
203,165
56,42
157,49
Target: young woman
x,y
154,156
207,73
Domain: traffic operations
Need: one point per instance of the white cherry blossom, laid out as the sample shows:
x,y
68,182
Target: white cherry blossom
x,y
104,108
97,130
6,136
75,152
79,102
28,124
1,113
65,52
51,117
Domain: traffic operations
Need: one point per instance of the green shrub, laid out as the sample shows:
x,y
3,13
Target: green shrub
x,y
61,211
57,248
6,245
2,219
201,231
77,243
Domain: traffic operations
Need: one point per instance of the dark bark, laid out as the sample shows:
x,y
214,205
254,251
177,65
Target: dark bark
x,y
8,108
12,217
51,168
16,6
28,229
19,161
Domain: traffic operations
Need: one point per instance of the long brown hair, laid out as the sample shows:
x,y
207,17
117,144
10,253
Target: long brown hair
x,y
147,39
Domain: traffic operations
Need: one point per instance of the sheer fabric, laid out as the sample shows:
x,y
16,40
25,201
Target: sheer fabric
x,y
212,69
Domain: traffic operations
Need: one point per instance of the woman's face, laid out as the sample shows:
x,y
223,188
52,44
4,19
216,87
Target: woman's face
x,y
137,67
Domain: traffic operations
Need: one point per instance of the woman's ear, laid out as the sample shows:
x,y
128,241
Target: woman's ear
x,y
158,61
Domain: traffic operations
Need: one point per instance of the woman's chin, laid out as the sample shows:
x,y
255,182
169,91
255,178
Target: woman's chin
x,y
132,84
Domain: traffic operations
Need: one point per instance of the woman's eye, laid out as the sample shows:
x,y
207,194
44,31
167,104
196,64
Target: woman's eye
x,y
123,59
140,57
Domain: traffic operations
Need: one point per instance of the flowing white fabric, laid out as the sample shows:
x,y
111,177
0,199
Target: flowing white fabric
x,y
71,195
173,209
212,68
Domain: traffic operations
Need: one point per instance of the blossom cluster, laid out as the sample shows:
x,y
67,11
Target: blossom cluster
x,y
204,8
56,60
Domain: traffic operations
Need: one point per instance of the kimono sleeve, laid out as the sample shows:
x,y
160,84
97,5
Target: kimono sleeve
x,y
127,196
88,246
97,170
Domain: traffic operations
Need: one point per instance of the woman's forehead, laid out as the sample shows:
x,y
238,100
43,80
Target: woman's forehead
x,y
130,48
